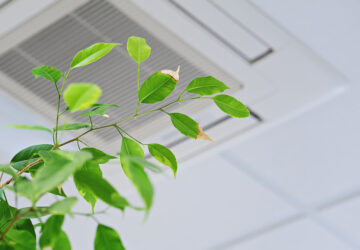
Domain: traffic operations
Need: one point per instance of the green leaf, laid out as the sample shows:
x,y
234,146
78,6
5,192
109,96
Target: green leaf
x,y
142,162
98,156
207,85
102,189
136,172
58,166
23,187
99,109
20,239
156,88
5,168
73,126
29,155
105,105
79,96
91,54
86,192
231,106
51,231
25,224
138,49
49,73
63,207
185,124
163,155
6,213
30,127
61,242
107,238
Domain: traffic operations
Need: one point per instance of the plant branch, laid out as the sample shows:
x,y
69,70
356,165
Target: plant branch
x,y
101,127
12,222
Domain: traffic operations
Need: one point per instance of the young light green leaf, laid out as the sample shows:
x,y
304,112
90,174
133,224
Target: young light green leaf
x,y
163,155
107,238
231,106
49,73
29,155
73,126
136,172
188,127
79,96
98,156
138,49
63,207
20,239
207,85
30,127
91,54
83,189
102,189
156,88
58,166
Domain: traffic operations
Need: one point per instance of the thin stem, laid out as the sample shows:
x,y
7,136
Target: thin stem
x,y
78,144
84,143
91,122
138,88
181,94
123,131
164,112
118,130
58,105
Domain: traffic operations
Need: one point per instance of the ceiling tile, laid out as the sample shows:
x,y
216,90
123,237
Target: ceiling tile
x,y
307,155
345,217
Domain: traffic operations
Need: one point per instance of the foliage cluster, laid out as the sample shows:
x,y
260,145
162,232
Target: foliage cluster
x,y
40,170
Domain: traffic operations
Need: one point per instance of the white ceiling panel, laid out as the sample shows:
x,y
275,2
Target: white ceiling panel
x,y
301,235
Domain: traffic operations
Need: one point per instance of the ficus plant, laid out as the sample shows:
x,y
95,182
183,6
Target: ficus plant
x,y
40,170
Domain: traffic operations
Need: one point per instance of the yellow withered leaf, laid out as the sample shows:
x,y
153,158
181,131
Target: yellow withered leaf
x,y
202,136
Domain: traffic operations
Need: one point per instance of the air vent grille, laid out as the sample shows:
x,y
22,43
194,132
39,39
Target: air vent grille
x,y
116,73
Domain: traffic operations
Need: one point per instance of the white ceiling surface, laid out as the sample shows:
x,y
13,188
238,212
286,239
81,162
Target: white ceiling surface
x,y
295,186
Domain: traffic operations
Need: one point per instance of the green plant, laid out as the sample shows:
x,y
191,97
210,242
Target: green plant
x,y
47,166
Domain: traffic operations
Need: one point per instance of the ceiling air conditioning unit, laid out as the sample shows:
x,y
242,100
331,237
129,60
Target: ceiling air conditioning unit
x,y
266,68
